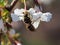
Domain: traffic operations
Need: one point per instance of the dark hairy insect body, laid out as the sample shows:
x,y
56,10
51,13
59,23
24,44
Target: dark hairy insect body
x,y
28,21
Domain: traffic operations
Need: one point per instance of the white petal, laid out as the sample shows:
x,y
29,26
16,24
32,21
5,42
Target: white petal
x,y
15,18
36,15
31,11
18,11
46,17
40,13
36,23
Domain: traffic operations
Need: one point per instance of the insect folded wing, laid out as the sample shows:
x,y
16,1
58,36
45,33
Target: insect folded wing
x,y
36,23
18,15
36,19
36,15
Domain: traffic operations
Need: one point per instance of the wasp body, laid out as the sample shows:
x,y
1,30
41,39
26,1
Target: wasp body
x,y
28,21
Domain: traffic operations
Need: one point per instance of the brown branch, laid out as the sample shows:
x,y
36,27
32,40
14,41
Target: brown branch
x,y
13,3
12,40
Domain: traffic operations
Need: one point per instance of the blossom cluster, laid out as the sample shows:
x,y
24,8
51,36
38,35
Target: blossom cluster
x,y
35,16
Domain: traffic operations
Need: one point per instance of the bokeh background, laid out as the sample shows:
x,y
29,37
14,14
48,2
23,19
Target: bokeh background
x,y
47,33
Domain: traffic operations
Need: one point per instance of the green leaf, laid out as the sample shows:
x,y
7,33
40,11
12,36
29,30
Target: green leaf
x,y
6,16
3,3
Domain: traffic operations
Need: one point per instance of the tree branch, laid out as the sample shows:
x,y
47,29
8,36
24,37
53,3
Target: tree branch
x,y
13,3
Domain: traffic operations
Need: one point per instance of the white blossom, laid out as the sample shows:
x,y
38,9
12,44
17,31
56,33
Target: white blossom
x,y
31,11
46,17
18,15
16,18
36,16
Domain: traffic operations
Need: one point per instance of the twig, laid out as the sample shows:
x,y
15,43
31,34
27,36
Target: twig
x,y
13,3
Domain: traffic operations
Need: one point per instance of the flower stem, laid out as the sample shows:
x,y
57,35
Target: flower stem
x,y
25,4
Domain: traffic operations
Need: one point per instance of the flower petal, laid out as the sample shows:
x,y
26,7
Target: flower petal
x,y
46,17
36,15
36,23
31,11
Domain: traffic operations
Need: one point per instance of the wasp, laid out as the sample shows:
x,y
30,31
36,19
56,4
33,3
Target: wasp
x,y
28,22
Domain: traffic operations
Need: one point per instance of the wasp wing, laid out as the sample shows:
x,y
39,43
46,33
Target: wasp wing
x,y
36,23
36,19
